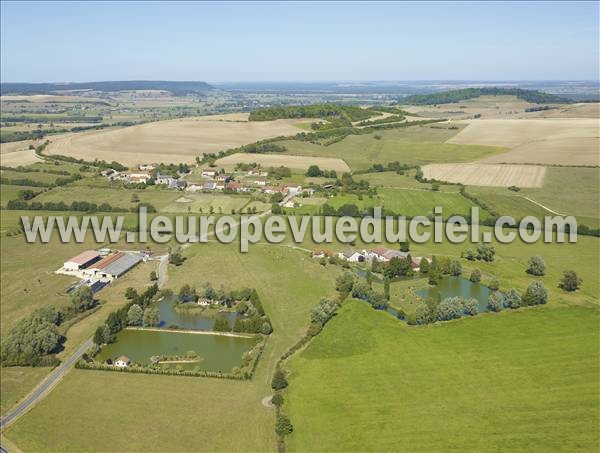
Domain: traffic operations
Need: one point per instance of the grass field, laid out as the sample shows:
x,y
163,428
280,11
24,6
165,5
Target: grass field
x,y
280,275
523,381
566,141
566,190
169,141
487,174
16,383
411,145
11,192
422,202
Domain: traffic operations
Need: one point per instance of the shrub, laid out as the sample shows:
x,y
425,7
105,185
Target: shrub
x,y
475,276
536,266
494,285
512,299
283,426
570,281
455,268
279,382
277,399
450,308
496,301
470,306
536,294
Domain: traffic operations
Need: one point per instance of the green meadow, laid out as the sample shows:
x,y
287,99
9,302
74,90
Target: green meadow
x,y
518,381
416,145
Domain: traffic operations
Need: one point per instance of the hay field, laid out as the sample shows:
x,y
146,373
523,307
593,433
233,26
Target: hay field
x,y
276,160
170,141
487,174
13,154
566,141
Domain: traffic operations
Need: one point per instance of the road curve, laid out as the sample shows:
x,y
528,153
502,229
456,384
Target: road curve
x,y
47,384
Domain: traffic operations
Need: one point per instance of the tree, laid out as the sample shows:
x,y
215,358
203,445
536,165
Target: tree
x,y
344,283
324,311
107,335
536,294
283,426
176,257
450,308
130,293
469,254
386,288
153,276
99,336
536,266
135,315
277,399
495,301
405,246
221,325
486,252
266,328
424,266
470,306
369,278
434,276
570,281
151,317
512,298
475,276
494,285
455,268
279,382
314,171
83,298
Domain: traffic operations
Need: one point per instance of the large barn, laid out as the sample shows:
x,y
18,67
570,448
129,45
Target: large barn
x,y
113,266
81,261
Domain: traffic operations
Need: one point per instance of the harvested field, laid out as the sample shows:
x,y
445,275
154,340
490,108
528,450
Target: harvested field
x,y
563,141
170,141
487,174
276,160
13,154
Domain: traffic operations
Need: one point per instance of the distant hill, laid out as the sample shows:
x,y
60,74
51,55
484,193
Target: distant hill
x,y
176,88
447,97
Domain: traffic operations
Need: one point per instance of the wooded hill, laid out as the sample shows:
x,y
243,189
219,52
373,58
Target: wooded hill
x,y
447,97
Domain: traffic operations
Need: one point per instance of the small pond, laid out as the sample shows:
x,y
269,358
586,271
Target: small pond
x,y
458,287
192,318
216,352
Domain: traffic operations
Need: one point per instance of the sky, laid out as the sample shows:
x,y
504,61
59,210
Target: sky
x,y
313,41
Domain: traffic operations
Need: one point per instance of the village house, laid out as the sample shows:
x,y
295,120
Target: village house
x,y
210,185
163,179
260,181
109,173
147,167
209,172
178,184
384,254
320,253
137,177
194,187
220,185
224,177
122,361
352,255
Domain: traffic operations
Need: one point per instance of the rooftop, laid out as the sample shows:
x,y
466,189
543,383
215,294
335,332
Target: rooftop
x,y
84,257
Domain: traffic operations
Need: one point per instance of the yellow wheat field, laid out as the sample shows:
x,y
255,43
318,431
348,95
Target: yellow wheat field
x,y
170,141
487,174
563,141
277,160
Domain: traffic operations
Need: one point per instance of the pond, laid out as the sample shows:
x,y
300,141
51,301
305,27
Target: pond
x,y
192,318
216,352
458,287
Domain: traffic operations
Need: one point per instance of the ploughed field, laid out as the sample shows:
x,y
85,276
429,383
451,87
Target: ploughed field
x,y
487,174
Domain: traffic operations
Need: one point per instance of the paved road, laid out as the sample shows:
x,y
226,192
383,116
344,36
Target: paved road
x,y
45,387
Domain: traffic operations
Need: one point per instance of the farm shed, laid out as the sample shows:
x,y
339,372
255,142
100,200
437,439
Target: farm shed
x,y
115,265
82,260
